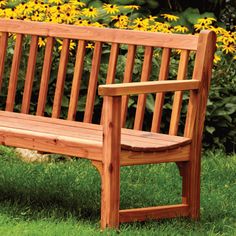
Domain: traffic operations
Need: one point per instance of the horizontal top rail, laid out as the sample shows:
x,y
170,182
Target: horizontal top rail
x,y
147,87
178,41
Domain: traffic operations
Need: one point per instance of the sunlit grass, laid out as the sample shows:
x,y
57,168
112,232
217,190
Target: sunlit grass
x,y
63,198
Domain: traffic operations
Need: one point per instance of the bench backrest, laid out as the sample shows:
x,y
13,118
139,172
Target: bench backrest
x,y
204,45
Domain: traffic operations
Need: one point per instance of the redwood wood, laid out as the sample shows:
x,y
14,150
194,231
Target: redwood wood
x,y
127,78
202,72
176,108
147,87
29,78
3,51
111,70
74,96
141,214
141,104
14,73
56,110
109,146
163,75
179,41
129,158
93,81
110,200
45,77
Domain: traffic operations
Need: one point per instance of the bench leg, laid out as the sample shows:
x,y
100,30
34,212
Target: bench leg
x,y
110,198
191,187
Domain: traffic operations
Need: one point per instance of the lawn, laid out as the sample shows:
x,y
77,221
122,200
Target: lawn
x,y
63,197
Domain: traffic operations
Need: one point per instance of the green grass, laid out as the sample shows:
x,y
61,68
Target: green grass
x,y
63,198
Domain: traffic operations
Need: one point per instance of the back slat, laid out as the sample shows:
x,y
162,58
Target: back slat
x,y
29,78
76,80
179,41
127,78
45,77
93,80
176,108
3,50
141,104
61,79
14,73
164,70
111,69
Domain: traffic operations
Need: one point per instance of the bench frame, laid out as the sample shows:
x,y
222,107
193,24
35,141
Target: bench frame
x,y
113,106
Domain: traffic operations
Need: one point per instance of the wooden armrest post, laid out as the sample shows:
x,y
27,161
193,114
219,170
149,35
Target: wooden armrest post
x,y
110,199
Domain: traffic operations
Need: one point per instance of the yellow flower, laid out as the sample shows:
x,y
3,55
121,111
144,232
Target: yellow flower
x,y
122,22
170,17
90,45
90,12
217,59
41,42
56,1
3,3
152,18
228,48
77,3
234,57
110,9
133,7
206,20
180,28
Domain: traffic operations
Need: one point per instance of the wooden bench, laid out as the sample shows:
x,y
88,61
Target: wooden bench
x,y
110,145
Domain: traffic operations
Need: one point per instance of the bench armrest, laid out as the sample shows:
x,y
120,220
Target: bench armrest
x,y
147,87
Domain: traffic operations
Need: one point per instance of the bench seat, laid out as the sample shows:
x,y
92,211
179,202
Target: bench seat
x,y
76,138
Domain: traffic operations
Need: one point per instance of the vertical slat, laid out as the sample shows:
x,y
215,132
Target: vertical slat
x,y
164,70
110,199
176,108
29,78
93,82
14,73
76,80
61,79
45,76
141,104
3,51
111,69
127,78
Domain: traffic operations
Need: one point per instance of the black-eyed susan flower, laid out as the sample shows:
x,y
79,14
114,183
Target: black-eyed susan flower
x,y
56,1
77,3
206,20
133,7
217,58
228,48
170,17
90,12
110,8
3,3
181,29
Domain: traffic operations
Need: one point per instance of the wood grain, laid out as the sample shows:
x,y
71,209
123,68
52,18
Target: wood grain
x,y
149,213
127,79
14,73
163,75
141,104
110,199
29,77
93,81
75,89
3,51
162,40
111,70
178,96
147,87
43,90
61,75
